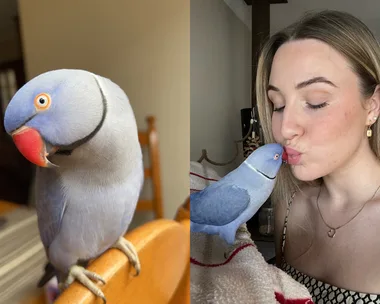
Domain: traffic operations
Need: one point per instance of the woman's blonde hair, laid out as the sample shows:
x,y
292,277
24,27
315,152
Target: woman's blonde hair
x,y
346,34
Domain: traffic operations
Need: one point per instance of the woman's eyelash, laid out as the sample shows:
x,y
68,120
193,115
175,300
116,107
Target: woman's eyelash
x,y
314,107
318,106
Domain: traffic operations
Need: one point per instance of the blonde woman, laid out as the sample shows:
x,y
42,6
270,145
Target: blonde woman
x,y
318,94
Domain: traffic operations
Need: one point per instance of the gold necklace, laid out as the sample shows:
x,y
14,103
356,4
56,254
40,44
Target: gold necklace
x,y
331,233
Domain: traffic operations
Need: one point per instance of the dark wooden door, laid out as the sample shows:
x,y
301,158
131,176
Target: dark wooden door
x,y
260,33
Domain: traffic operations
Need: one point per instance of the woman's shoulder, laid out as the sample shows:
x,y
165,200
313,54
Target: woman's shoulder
x,y
294,213
303,204
301,197
306,193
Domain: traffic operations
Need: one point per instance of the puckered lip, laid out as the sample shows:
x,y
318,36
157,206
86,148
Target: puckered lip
x,y
293,157
290,151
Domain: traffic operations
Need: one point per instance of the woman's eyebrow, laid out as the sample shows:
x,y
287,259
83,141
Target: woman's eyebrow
x,y
273,88
314,80
306,83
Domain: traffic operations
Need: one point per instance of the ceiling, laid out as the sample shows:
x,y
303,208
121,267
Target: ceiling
x,y
241,10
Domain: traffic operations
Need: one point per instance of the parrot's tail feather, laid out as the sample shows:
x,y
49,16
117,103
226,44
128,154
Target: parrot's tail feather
x,y
48,275
209,229
228,234
194,227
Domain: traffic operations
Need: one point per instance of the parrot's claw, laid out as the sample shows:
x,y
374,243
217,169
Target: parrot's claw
x,y
125,246
83,276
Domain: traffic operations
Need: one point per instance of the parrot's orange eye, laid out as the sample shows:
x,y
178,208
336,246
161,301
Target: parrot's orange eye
x,y
42,101
276,156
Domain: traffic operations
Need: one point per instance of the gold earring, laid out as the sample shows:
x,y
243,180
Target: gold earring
x,y
369,131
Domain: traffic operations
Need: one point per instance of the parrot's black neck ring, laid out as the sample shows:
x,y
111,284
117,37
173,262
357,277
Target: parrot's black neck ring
x,y
68,149
258,171
267,176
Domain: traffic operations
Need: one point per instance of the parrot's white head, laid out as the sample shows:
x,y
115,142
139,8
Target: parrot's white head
x,y
55,112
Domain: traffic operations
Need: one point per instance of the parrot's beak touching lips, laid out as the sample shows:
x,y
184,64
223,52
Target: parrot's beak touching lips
x,y
284,157
31,145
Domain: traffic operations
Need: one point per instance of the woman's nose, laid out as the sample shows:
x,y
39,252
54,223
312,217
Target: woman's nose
x,y
291,126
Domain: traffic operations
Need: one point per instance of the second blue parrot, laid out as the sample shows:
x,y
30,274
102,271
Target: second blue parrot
x,y
230,202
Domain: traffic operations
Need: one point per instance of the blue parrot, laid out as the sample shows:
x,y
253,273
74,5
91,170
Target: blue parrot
x,y
228,203
79,129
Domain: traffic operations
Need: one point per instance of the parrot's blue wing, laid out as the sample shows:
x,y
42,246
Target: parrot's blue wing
x,y
50,204
218,205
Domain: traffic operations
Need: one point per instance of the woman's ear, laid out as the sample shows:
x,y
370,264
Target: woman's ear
x,y
373,106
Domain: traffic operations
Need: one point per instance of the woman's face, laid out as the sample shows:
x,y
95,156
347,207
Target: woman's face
x,y
318,108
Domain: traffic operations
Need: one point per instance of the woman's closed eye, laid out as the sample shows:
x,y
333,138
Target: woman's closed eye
x,y
316,99
278,109
312,106
277,104
317,106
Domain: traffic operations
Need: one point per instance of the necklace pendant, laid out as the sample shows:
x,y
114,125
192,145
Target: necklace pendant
x,y
331,233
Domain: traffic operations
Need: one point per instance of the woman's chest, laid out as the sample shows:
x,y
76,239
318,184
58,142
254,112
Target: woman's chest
x,y
348,260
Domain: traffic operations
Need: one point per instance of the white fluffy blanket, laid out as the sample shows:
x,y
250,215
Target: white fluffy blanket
x,y
239,273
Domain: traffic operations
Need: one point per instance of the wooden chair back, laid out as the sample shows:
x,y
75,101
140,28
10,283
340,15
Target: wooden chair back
x,y
149,140
163,247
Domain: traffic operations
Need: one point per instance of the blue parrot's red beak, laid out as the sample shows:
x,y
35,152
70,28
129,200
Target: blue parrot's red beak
x,y
284,157
31,145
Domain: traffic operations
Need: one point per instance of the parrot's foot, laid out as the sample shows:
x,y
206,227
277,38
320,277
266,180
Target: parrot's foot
x,y
83,276
130,251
